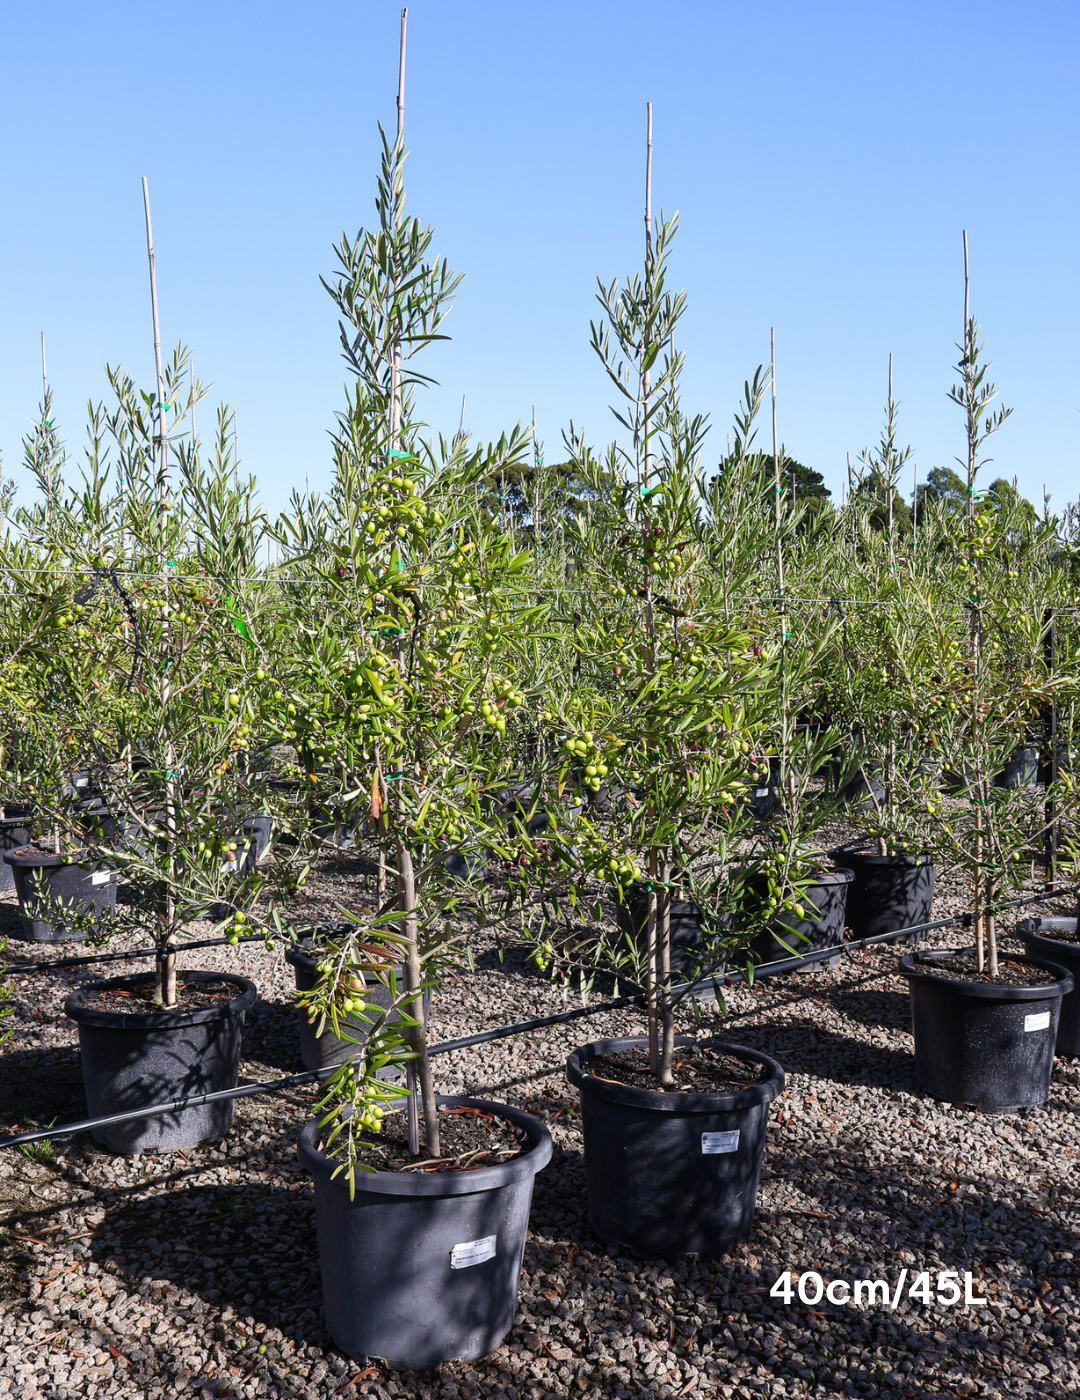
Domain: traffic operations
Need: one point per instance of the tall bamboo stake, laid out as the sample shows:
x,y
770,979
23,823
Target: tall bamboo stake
x,y
644,469
165,967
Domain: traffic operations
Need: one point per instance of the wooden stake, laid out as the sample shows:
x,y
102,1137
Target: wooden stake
x,y
165,970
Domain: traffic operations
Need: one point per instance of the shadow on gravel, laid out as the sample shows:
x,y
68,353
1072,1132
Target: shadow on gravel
x,y
38,1086
803,1047
251,1247
889,1010
271,1037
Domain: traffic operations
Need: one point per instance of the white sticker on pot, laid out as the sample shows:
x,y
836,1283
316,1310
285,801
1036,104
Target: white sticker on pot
x,y
712,1144
761,792
101,877
228,865
464,1256
1037,1021
82,782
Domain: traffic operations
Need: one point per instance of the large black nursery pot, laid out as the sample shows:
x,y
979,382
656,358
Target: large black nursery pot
x,y
423,1267
888,893
825,903
984,1044
130,1060
1021,771
687,940
672,1173
328,1049
15,831
1066,953
51,886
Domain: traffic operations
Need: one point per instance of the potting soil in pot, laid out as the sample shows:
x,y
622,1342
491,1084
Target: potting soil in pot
x,y
696,1070
1009,974
469,1138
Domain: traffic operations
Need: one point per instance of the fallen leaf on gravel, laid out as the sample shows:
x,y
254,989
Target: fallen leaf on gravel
x,y
360,1376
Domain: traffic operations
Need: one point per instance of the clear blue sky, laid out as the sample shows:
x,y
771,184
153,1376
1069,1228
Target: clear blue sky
x,y
824,159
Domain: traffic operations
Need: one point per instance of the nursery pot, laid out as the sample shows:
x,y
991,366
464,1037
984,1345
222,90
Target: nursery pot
x,y
687,941
672,1173
323,1051
1022,769
1032,933
984,1044
423,1267
824,928
45,880
132,1059
15,831
888,892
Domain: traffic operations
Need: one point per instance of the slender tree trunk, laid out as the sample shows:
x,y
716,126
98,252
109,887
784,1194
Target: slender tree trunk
x,y
416,1036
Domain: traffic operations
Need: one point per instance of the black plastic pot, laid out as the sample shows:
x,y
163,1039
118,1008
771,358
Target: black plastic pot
x,y
984,1044
323,1051
129,1060
888,892
50,885
687,940
865,789
762,795
1032,933
823,929
668,1173
1022,769
15,831
423,1267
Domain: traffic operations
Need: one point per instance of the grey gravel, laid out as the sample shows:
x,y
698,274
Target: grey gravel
x,y
196,1273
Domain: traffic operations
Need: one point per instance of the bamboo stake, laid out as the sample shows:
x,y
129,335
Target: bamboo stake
x,y
888,484
644,467
165,966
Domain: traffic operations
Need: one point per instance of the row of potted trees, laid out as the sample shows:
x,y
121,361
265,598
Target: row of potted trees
x,y
675,691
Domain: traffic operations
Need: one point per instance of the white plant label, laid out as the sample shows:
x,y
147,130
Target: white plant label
x,y
1037,1021
101,877
228,865
464,1256
82,782
761,792
712,1144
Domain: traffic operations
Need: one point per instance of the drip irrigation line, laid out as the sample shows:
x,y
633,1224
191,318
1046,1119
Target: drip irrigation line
x,y
504,1032
125,955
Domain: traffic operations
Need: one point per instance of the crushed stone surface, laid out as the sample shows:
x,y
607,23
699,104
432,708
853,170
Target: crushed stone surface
x,y
196,1272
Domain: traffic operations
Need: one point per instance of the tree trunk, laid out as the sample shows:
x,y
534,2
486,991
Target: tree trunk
x,y
416,1036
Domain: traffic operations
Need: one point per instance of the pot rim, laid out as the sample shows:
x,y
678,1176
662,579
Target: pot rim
x,y
27,857
1027,932
988,991
172,1019
379,1183
904,859
835,875
658,1100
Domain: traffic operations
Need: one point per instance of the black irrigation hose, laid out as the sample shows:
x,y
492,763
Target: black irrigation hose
x,y
504,1032
126,955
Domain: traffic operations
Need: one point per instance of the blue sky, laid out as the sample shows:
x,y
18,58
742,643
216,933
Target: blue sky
x,y
824,160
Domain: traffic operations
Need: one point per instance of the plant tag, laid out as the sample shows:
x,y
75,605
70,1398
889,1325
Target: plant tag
x,y
102,877
1037,1021
761,792
464,1256
82,782
712,1144
228,865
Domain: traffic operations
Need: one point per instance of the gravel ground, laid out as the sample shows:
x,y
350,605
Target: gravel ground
x,y
196,1272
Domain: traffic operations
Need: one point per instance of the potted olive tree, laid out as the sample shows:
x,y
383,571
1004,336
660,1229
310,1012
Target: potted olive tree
x,y
421,1212
674,1128
153,689
985,1024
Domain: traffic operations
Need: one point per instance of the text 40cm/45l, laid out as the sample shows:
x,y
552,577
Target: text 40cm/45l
x,y
811,1288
